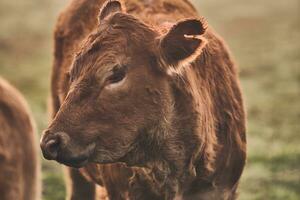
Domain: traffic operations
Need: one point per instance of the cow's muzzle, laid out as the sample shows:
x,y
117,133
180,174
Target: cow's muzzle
x,y
59,146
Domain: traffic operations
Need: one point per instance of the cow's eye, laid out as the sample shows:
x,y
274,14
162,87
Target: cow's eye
x,y
118,74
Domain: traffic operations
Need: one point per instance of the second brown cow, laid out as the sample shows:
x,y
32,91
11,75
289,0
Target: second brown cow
x,y
150,107
19,158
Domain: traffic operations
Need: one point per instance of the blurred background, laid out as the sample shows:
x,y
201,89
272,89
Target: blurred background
x,y
264,37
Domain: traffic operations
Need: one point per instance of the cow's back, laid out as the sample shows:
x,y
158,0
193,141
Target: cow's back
x,y
19,165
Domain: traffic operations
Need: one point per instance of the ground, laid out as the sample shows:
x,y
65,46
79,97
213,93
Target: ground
x,y
264,37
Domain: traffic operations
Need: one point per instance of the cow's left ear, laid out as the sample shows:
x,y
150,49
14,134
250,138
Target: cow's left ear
x,y
183,43
110,7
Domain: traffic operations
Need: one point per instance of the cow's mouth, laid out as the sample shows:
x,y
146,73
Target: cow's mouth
x,y
75,162
78,159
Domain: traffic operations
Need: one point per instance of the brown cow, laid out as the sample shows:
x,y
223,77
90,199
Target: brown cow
x,y
152,91
19,161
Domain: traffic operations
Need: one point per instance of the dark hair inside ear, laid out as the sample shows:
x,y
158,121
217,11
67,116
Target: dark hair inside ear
x,y
183,42
109,8
190,27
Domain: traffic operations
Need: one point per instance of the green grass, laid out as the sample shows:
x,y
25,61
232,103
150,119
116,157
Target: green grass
x,y
264,37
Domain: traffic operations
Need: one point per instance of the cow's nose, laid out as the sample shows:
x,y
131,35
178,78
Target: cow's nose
x,y
51,143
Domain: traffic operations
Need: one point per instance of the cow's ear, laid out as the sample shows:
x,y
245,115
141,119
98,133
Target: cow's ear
x,y
183,43
110,7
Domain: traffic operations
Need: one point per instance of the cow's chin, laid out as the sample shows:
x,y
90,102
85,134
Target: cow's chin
x,y
76,157
105,156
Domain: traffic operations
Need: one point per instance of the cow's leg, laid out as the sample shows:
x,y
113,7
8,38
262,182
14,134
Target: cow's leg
x,y
234,194
78,187
114,194
140,188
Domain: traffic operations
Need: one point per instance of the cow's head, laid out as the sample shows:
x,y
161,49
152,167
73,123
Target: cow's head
x,y
120,88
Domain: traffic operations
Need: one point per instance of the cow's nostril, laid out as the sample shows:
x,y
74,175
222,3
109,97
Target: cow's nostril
x,y
51,147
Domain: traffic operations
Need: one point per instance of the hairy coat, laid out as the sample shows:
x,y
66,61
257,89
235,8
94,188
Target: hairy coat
x,y
151,90
19,162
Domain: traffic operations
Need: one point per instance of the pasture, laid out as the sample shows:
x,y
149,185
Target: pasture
x,y
264,38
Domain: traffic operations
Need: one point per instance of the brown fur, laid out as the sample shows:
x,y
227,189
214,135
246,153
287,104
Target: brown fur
x,y
19,165
178,122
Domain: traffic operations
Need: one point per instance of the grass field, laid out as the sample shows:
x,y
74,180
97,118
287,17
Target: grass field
x,y
264,37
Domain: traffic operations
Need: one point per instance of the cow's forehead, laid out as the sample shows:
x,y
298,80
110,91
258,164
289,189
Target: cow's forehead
x,y
112,43
117,32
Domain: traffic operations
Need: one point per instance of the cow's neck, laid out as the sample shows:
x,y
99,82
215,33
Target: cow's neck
x,y
169,153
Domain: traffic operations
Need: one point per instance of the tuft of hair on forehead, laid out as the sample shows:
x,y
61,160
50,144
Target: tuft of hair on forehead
x,y
124,20
131,25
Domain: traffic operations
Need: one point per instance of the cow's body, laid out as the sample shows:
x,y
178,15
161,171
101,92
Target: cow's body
x,y
208,103
19,165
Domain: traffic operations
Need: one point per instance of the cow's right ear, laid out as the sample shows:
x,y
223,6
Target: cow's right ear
x,y
110,7
183,43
